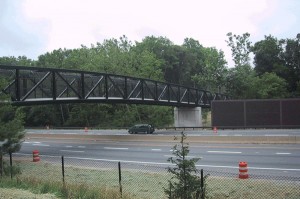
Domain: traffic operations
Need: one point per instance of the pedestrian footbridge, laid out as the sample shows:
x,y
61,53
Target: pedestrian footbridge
x,y
40,85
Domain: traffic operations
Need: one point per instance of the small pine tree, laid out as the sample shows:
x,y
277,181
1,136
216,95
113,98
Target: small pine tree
x,y
11,123
184,184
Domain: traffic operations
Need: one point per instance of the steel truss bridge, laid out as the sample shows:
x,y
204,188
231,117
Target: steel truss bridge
x,y
36,85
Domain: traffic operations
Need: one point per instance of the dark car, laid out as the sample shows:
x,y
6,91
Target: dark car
x,y
146,128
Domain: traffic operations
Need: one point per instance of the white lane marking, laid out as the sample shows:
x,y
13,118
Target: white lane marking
x,y
69,146
30,142
223,152
188,156
115,148
169,156
40,144
276,135
275,169
238,135
283,153
155,149
72,151
82,147
125,161
159,163
257,168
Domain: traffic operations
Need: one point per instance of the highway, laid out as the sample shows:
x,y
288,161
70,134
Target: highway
x,y
189,132
263,159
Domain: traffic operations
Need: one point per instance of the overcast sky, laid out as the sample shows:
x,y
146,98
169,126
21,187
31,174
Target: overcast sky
x,y
34,27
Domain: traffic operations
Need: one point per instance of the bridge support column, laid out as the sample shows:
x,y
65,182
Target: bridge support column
x,y
187,117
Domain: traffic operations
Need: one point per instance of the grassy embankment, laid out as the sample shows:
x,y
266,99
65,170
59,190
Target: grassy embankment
x,y
83,182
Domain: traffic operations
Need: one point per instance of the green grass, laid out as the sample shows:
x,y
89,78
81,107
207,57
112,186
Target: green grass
x,y
224,188
135,183
88,182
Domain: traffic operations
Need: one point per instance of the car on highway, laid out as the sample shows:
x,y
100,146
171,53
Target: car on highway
x,y
141,128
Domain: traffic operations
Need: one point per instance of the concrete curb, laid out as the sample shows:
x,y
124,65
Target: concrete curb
x,y
167,138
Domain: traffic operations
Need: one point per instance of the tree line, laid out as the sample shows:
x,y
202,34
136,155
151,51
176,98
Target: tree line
x,y
274,73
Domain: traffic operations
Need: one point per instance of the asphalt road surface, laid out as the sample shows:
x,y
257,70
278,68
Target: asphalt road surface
x,y
189,132
263,159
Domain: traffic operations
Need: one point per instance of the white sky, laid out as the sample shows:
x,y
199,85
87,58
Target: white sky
x,y
34,27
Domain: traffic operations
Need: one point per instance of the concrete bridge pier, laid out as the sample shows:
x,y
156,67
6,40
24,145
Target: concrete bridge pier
x,y
187,117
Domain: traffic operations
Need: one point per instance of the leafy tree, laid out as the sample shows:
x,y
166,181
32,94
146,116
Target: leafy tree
x,y
240,82
145,65
11,123
267,56
43,115
240,48
281,57
270,86
20,60
241,78
213,74
291,57
185,184
161,47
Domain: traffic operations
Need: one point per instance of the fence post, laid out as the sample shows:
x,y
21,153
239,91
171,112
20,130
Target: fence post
x,y
170,196
202,185
10,163
1,161
63,168
120,178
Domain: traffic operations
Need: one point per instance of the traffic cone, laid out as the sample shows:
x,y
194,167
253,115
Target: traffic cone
x,y
215,130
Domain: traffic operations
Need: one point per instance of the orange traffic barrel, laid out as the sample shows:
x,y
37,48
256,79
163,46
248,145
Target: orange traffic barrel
x,y
36,155
243,170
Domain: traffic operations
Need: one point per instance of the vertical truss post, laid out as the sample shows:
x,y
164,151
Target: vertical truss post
x,y
178,94
53,85
17,83
188,95
168,92
125,89
156,92
142,89
106,86
82,85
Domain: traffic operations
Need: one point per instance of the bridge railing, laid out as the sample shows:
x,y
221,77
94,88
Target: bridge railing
x,y
34,85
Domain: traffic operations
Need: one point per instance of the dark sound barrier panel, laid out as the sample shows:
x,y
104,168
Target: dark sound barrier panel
x,y
228,114
291,113
262,113
279,113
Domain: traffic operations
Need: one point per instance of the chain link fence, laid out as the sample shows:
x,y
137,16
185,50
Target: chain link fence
x,y
146,181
